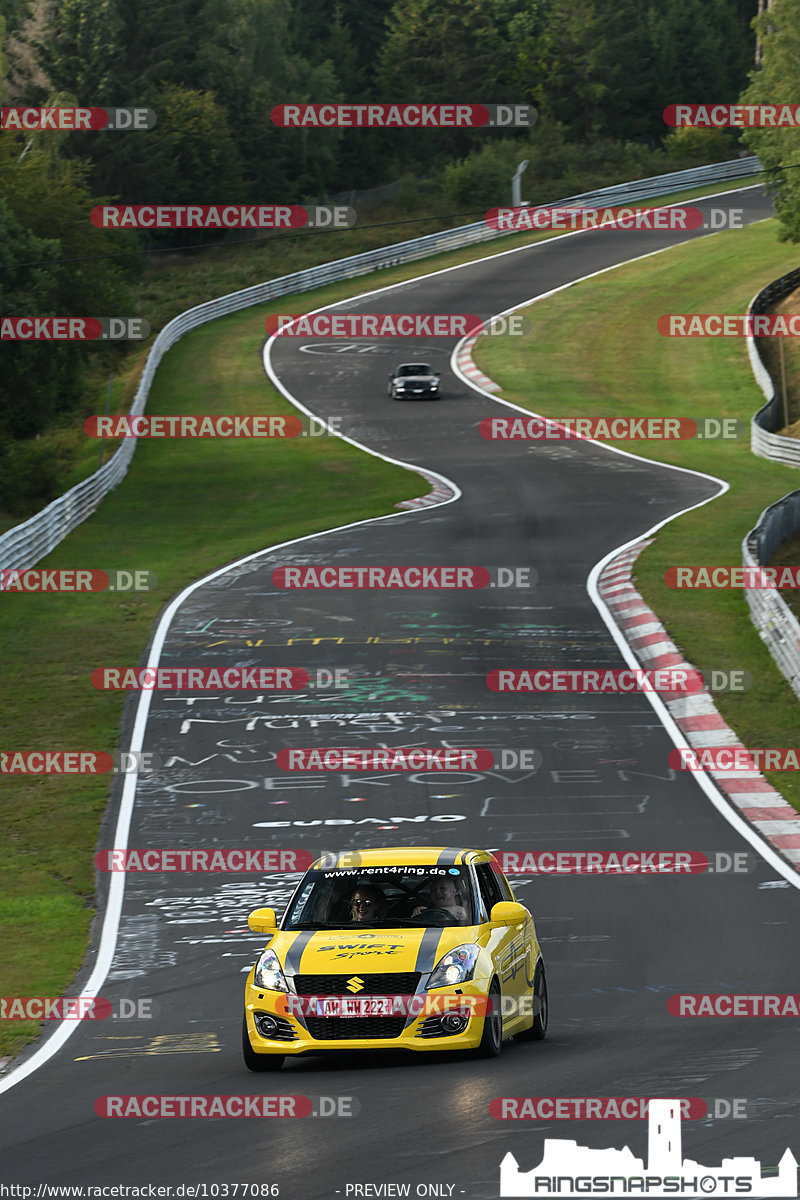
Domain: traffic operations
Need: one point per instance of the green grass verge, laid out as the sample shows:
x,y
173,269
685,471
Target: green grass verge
x,y
594,350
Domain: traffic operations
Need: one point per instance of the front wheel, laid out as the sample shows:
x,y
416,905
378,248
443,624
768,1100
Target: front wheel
x,y
538,1030
492,1040
258,1062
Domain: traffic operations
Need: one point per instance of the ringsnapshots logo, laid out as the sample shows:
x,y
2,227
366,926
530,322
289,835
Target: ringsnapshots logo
x,y
404,116
66,118
569,1170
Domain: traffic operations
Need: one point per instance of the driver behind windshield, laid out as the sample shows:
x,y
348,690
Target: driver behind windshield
x,y
444,894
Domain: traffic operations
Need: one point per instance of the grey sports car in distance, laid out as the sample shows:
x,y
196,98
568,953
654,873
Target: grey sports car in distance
x,y
414,381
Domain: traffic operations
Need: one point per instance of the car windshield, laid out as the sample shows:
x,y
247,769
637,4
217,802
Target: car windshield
x,y
414,369
390,897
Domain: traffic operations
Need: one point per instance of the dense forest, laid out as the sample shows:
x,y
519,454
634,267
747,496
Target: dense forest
x,y
599,72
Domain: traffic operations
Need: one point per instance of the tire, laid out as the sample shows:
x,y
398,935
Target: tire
x,y
492,1040
258,1062
538,1030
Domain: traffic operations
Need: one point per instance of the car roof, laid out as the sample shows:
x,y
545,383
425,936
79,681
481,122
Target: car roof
x,y
417,856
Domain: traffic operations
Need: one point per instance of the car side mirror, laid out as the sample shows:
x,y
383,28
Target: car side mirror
x,y
391,374
438,374
262,920
507,913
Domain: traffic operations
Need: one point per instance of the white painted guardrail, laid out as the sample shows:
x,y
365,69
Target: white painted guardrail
x,y
775,622
25,544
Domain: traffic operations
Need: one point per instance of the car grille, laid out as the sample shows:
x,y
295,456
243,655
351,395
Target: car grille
x,y
350,1028
403,983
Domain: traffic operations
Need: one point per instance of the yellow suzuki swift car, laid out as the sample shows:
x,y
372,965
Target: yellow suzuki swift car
x,y
410,949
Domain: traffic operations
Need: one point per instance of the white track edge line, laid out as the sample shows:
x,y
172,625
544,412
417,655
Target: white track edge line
x,y
110,927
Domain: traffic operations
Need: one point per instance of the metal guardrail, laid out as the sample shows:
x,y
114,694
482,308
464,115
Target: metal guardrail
x,y
25,544
775,622
764,441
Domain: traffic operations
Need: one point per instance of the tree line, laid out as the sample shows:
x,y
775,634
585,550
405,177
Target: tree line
x,y
599,73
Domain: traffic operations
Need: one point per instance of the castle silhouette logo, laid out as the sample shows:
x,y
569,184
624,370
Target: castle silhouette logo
x,y
568,1169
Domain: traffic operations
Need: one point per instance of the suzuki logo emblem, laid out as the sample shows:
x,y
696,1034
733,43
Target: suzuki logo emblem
x,y
355,984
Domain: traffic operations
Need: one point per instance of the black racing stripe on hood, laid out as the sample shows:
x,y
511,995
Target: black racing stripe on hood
x,y
448,858
426,955
295,951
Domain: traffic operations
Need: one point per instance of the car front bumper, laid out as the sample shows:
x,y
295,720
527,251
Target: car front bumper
x,y
297,1035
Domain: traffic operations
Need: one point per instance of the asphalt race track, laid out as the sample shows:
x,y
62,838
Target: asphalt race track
x,y
615,948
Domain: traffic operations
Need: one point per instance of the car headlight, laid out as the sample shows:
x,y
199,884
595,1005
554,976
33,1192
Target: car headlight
x,y
457,966
269,974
